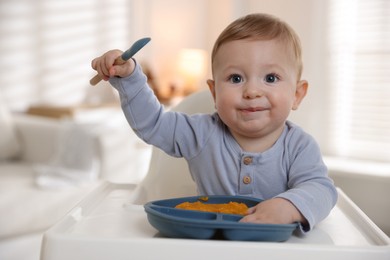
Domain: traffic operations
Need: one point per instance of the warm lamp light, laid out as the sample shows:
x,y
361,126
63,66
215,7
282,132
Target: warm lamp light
x,y
192,67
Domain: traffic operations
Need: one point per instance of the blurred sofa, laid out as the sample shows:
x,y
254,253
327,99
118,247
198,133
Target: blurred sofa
x,y
48,165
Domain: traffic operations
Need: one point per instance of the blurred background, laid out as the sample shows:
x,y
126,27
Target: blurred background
x,y
46,47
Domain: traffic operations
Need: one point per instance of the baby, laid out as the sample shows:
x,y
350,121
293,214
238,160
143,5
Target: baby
x,y
247,147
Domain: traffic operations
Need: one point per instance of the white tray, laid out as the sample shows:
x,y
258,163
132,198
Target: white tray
x,y
107,225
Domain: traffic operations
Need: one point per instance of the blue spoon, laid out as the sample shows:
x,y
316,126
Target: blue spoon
x,y
124,57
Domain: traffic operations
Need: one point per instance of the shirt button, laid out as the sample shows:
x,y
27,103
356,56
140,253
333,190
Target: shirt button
x,y
246,180
248,160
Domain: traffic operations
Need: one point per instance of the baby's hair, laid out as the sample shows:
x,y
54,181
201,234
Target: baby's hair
x,y
261,27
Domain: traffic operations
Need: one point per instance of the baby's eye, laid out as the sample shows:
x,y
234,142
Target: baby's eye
x,y
235,78
271,78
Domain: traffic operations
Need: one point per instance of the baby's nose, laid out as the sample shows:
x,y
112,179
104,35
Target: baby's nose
x,y
252,90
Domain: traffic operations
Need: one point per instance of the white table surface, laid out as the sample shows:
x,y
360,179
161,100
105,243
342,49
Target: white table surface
x,y
107,225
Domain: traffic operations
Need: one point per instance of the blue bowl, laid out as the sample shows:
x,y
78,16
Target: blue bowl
x,y
180,223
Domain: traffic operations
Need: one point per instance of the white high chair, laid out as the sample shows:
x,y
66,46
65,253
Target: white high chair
x,y
110,223
168,176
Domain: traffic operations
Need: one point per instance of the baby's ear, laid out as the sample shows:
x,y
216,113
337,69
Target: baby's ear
x,y
300,93
211,84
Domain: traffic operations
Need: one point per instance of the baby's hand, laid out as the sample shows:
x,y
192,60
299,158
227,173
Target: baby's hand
x,y
274,211
106,67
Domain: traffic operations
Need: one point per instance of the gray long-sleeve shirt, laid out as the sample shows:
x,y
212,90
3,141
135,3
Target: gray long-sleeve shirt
x,y
292,168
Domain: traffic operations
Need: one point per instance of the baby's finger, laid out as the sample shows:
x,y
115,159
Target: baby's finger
x,y
104,67
93,63
102,71
251,210
119,70
109,59
249,219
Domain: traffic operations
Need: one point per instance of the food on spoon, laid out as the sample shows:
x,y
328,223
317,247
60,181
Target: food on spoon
x,y
225,208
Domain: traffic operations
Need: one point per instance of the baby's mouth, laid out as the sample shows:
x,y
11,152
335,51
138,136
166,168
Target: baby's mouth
x,y
253,109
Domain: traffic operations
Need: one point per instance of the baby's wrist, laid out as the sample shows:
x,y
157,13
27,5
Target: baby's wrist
x,y
296,215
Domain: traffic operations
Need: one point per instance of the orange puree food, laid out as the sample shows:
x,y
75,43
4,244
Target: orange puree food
x,y
226,208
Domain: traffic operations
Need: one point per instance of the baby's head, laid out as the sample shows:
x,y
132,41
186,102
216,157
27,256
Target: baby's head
x,y
261,27
257,66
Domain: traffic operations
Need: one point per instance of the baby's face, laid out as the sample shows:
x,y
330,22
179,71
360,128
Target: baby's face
x,y
255,86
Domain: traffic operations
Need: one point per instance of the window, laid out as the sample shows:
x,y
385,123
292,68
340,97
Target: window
x,y
360,79
46,46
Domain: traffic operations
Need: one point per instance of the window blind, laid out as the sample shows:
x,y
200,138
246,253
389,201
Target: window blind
x,y
46,46
359,33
